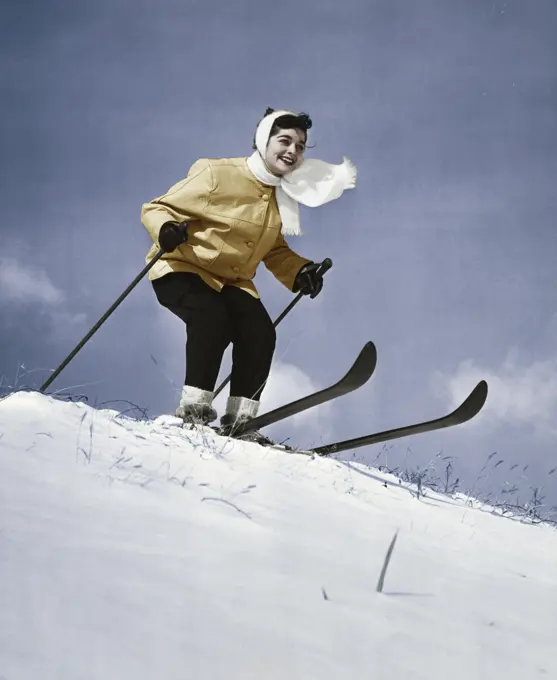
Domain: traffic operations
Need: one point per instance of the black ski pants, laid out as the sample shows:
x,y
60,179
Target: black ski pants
x,y
214,320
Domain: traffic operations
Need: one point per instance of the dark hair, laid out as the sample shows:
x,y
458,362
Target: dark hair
x,y
300,121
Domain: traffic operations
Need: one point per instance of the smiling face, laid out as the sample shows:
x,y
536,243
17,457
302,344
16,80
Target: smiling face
x,y
285,151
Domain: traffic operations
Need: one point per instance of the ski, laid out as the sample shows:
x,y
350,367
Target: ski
x,y
469,408
360,372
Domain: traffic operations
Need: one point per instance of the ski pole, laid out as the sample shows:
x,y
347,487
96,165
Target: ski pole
x,y
100,322
324,267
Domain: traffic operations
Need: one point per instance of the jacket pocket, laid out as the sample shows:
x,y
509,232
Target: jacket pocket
x,y
206,244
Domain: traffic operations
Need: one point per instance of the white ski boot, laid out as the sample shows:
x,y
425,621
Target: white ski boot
x,y
196,406
240,410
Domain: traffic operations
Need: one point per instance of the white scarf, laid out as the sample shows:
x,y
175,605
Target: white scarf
x,y
313,183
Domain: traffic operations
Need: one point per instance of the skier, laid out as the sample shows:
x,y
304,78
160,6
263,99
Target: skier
x,y
215,227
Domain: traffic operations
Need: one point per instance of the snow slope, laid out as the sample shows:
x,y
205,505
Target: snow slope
x,y
138,549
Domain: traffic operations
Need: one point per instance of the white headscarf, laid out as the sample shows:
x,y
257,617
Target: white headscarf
x,y
313,183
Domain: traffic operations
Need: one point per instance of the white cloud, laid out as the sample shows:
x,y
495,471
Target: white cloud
x,y
21,283
519,393
24,284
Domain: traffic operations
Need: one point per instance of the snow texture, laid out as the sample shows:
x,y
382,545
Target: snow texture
x,y
139,549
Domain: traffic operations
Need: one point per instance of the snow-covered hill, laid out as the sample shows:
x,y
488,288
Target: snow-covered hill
x,y
137,549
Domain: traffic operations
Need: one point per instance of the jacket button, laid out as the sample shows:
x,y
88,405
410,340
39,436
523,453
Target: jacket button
x,y
265,197
235,269
249,244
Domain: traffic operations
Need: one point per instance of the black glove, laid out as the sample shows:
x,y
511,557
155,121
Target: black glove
x,y
171,235
308,281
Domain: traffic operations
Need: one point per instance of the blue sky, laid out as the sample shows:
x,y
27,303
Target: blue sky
x,y
444,255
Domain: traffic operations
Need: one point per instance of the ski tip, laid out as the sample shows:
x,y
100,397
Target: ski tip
x,y
480,391
368,357
475,401
370,350
362,369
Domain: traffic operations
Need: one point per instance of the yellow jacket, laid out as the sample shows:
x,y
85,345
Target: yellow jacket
x,y
234,225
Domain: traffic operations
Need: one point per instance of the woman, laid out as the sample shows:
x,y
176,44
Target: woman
x,y
215,227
